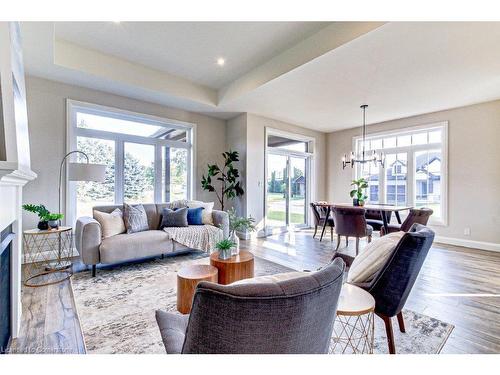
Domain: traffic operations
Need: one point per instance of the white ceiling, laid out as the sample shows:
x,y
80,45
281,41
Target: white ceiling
x,y
279,70
190,49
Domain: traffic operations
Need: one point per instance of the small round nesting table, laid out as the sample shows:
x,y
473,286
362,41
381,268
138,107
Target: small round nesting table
x,y
187,279
236,268
353,330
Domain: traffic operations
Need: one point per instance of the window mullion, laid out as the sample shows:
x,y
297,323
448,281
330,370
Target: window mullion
x,y
119,172
158,175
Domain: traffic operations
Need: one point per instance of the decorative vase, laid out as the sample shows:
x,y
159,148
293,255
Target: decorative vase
x,y
235,250
53,224
224,254
43,225
355,202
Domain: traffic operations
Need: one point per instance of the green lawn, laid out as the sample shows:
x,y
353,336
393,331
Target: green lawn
x,y
280,216
276,197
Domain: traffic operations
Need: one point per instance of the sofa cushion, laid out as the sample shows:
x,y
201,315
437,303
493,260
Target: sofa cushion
x,y
194,216
111,223
135,218
135,245
369,261
174,218
206,213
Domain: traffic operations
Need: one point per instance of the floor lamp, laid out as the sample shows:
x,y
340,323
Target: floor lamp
x,y
79,172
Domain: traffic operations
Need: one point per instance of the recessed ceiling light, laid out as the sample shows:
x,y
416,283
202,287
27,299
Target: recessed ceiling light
x,y
116,22
221,61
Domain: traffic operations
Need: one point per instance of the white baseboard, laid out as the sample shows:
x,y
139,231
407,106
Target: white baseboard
x,y
490,246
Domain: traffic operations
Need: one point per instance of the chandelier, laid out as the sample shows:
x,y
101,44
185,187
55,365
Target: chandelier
x,y
365,156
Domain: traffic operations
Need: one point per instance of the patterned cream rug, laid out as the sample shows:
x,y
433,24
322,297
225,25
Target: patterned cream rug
x,y
117,308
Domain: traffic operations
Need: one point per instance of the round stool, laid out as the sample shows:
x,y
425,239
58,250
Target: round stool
x,y
236,268
187,279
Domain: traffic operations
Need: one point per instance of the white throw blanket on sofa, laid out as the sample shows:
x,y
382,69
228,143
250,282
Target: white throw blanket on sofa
x,y
200,237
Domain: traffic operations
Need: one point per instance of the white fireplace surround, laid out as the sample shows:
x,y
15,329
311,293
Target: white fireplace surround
x,y
12,181
15,170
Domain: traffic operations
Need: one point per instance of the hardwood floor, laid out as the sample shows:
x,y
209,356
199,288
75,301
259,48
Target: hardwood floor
x,y
457,285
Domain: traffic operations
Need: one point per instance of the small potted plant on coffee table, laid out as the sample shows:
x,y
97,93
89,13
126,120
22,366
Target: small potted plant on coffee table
x,y
358,196
224,248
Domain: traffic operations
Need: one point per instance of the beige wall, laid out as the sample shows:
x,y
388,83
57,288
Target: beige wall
x,y
256,180
47,127
236,140
473,168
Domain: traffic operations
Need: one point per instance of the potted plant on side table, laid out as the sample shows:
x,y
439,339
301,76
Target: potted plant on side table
x,y
358,196
239,224
42,213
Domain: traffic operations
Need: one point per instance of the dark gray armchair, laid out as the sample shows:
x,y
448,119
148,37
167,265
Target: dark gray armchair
x,y
393,283
291,316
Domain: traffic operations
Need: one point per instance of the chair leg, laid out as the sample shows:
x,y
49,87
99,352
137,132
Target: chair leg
x,y
338,242
369,239
94,267
331,233
401,322
390,333
357,245
322,233
346,241
315,230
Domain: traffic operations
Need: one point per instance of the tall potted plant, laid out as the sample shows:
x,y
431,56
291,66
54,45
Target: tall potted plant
x,y
358,196
226,177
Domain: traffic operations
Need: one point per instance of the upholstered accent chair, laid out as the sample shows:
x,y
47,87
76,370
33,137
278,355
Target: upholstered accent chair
x,y
319,214
393,283
351,222
294,315
416,216
374,218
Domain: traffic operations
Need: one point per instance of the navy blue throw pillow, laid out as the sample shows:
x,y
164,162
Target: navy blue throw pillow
x,y
194,216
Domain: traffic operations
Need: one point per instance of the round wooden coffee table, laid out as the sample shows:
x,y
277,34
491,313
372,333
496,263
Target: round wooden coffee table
x,y
238,267
187,279
353,330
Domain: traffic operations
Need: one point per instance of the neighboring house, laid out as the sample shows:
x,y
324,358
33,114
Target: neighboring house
x,y
299,186
427,184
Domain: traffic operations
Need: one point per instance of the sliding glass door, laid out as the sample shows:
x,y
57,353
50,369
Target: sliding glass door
x,y
287,182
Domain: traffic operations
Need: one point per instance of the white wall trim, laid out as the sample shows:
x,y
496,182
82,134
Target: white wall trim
x,y
481,245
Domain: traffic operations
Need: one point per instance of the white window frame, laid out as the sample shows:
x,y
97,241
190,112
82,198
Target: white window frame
x,y
411,150
75,106
310,163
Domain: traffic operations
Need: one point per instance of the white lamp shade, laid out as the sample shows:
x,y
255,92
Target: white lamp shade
x,y
86,172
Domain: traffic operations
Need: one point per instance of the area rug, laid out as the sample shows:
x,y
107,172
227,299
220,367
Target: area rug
x,y
117,308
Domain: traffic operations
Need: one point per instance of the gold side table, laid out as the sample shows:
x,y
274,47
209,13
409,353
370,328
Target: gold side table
x,y
353,330
47,256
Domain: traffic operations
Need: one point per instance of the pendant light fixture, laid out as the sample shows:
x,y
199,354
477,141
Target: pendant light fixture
x,y
365,156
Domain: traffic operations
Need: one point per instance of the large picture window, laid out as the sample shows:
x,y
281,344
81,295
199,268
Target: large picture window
x,y
149,159
415,168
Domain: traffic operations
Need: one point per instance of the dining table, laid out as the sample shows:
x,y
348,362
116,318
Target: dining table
x,y
384,209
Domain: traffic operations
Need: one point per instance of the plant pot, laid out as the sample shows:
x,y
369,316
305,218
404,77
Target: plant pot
x,y
53,224
235,250
43,225
225,254
361,203
355,202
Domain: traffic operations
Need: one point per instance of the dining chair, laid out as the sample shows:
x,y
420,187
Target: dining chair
x,y
392,284
374,218
319,214
416,216
351,222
